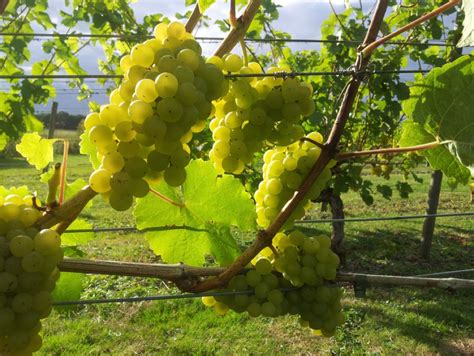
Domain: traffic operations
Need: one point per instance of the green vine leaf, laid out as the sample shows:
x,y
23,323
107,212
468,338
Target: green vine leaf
x,y
86,147
205,4
38,151
467,38
69,239
439,158
440,108
3,141
69,286
202,226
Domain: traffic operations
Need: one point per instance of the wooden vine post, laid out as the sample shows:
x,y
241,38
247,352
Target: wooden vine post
x,y
431,209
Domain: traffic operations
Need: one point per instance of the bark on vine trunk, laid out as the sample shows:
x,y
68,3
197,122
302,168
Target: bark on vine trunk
x,y
337,211
429,224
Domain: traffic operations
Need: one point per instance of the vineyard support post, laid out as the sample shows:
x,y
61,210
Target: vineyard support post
x,y
52,119
52,125
432,208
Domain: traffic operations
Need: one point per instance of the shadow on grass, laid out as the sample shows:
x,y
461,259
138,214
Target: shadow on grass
x,y
434,319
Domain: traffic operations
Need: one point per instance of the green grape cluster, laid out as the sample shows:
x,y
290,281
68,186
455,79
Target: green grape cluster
x,y
28,274
142,135
290,282
254,112
284,169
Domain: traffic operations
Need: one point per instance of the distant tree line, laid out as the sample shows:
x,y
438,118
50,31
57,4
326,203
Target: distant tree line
x,y
64,120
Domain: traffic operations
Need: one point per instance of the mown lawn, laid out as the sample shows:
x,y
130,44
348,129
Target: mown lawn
x,y
388,320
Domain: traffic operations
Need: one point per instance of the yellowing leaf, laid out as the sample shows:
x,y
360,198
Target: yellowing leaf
x,y
38,151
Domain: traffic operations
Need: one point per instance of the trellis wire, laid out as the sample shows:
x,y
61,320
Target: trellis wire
x,y
312,221
235,75
215,39
446,273
210,294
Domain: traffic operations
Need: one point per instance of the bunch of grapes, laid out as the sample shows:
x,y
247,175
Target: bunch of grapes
x,y
283,171
142,135
256,111
28,274
289,282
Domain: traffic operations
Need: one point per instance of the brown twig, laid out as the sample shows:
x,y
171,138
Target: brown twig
x,y
370,48
329,151
232,16
391,150
237,32
193,19
316,143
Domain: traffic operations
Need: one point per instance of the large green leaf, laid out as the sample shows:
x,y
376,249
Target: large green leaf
x,y
439,158
69,287
38,151
77,238
442,105
211,205
467,38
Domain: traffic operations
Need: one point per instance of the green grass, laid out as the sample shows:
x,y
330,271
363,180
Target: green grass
x,y
387,321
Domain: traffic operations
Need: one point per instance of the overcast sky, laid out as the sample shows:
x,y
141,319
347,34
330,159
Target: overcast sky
x,y
300,18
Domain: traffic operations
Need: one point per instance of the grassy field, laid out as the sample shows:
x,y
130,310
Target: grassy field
x,y
387,321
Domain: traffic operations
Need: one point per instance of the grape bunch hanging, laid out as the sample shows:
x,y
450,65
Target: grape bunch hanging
x,y
256,112
28,274
284,169
142,135
291,278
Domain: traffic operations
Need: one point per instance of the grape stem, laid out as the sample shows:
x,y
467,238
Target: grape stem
x,y
391,150
244,52
367,51
66,213
165,198
193,20
274,250
329,151
316,143
232,16
238,31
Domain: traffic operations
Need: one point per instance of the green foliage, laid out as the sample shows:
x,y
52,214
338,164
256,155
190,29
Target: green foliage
x,y
69,239
441,107
38,151
439,158
212,204
69,286
467,38
205,4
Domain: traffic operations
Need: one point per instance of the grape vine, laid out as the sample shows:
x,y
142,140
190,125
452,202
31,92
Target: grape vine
x,y
141,140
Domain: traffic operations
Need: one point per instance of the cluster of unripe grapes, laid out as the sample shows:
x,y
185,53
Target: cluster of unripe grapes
x,y
142,135
254,112
284,169
382,167
291,281
28,274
